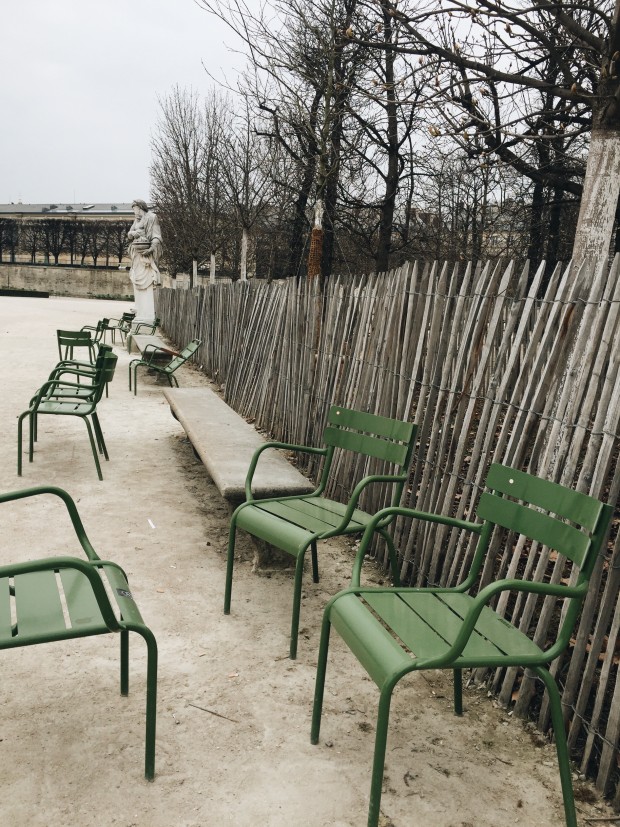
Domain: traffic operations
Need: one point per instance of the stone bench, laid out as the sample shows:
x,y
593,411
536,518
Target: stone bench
x,y
225,443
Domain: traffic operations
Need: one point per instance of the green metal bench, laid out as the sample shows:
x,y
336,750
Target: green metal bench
x,y
393,632
151,359
295,524
33,594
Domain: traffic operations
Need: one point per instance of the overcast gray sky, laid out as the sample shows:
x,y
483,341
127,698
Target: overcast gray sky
x,y
79,83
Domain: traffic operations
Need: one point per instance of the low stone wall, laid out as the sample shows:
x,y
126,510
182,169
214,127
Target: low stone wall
x,y
82,282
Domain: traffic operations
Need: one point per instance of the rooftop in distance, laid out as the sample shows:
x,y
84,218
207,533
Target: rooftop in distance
x,y
19,209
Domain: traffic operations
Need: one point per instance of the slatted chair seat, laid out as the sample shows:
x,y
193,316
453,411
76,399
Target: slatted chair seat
x,y
305,517
61,598
395,631
295,524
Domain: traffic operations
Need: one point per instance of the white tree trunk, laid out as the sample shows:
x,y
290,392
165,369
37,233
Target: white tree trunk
x,y
194,273
212,268
601,188
244,254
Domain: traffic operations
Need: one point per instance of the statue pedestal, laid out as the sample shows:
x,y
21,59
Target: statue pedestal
x,y
144,305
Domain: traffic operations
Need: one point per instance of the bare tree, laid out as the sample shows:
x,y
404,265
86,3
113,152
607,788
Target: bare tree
x,y
179,180
487,60
248,161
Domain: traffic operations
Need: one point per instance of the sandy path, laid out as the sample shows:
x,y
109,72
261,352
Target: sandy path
x,y
71,748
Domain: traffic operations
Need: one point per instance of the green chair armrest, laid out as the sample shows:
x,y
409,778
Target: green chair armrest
x,y
150,351
48,388
385,515
357,491
78,526
286,446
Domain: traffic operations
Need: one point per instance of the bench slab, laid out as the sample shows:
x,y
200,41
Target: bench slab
x,y
225,443
137,342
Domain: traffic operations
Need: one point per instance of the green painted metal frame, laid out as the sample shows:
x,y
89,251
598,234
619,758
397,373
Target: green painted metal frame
x,y
121,326
79,370
151,353
146,328
57,397
447,628
295,524
100,330
68,340
38,617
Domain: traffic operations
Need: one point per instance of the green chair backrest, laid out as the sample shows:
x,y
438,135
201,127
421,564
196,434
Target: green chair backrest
x,y
570,522
69,339
183,356
369,434
391,440
102,326
108,367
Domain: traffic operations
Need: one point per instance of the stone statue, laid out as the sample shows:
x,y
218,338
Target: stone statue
x,y
145,248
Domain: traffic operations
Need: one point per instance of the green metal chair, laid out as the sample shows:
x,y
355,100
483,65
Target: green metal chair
x,y
79,370
69,340
147,328
121,326
152,357
32,595
99,330
394,631
142,329
48,400
295,524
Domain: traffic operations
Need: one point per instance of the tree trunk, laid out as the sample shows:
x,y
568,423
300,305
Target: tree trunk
x,y
386,221
212,268
316,243
243,264
601,188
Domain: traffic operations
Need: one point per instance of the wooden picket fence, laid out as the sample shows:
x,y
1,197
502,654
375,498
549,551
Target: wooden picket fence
x,y
493,368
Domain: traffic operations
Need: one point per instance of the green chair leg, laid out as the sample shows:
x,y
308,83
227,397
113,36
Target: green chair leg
x,y
458,691
392,555
99,435
319,686
299,573
151,705
20,421
378,761
124,663
229,563
557,720
93,446
315,562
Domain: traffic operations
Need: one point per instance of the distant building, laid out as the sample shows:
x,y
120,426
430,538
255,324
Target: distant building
x,y
62,233
63,210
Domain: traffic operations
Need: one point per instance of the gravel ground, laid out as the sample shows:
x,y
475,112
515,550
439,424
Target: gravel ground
x,y
233,742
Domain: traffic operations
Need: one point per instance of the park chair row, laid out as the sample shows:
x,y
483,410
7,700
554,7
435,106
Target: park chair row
x,y
396,630
77,396
392,631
